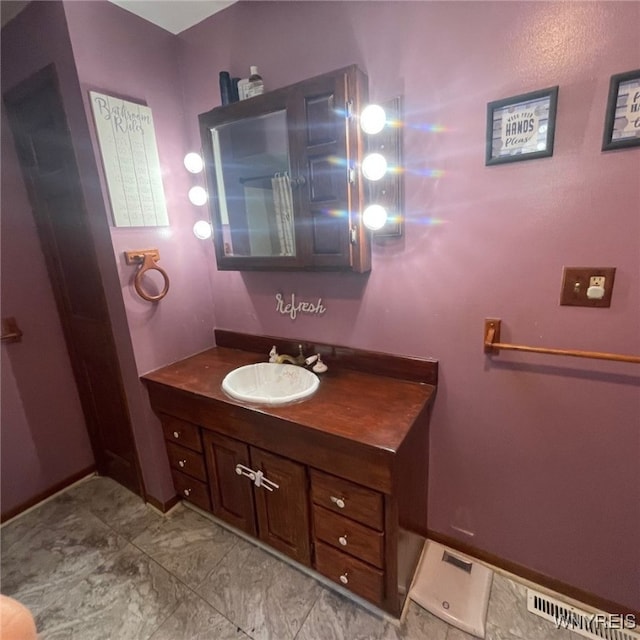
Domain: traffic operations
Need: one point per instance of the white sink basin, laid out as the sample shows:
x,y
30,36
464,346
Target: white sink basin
x,y
270,383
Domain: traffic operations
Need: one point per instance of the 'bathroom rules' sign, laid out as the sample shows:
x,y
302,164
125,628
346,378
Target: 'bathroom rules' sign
x,y
130,159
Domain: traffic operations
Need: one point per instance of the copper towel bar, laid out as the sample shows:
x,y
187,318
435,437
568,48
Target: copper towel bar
x,y
493,345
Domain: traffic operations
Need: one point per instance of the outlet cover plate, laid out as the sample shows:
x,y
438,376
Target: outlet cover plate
x,y
576,281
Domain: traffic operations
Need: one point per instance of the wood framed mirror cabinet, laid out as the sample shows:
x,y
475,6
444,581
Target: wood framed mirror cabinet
x,y
283,177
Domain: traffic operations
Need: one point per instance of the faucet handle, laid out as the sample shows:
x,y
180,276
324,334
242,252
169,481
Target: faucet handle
x,y
319,366
273,354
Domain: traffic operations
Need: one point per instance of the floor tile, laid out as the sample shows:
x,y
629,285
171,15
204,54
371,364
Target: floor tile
x,y
47,513
128,597
186,544
508,614
118,507
49,560
334,617
194,619
264,596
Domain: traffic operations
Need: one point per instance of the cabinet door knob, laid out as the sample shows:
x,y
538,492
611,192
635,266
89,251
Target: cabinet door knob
x,y
344,578
343,540
182,463
187,492
176,434
339,502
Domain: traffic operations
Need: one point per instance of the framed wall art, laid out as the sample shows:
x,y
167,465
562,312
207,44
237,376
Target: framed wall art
x,y
521,127
622,119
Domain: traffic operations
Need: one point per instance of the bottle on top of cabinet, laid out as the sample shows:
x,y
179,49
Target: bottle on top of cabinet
x,y
254,85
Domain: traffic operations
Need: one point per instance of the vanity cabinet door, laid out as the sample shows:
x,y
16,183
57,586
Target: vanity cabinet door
x,y
282,505
231,494
331,198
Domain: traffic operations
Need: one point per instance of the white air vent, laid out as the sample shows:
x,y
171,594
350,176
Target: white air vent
x,y
599,626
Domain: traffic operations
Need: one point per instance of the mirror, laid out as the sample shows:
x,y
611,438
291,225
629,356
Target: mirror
x,y
253,183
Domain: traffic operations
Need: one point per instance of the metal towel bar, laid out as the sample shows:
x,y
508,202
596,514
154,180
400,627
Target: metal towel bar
x,y
492,345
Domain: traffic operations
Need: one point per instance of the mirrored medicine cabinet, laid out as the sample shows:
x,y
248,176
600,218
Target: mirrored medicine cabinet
x,y
283,180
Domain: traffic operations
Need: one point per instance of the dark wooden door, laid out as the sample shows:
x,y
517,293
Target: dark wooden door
x,y
283,511
231,493
50,171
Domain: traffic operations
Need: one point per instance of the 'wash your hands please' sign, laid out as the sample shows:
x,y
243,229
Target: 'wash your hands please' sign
x,y
294,307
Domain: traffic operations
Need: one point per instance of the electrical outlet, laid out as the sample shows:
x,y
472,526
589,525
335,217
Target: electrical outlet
x,y
587,286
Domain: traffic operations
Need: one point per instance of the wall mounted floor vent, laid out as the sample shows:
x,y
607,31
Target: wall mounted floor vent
x,y
598,626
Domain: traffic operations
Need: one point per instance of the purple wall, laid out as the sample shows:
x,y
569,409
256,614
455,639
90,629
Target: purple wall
x,y
536,457
44,438
117,52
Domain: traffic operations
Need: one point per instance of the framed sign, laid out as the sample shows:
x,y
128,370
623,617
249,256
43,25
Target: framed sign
x,y
622,120
521,127
130,158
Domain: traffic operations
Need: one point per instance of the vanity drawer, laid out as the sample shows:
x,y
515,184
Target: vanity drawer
x,y
349,536
347,499
187,461
355,575
192,490
184,433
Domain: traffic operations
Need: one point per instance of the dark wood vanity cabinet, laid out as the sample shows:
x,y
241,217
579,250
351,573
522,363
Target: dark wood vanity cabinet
x,y
309,132
277,511
343,475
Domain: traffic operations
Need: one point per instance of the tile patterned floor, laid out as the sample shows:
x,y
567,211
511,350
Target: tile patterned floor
x,y
95,563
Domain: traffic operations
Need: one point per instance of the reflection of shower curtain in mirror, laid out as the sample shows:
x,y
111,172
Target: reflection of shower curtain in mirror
x,y
283,204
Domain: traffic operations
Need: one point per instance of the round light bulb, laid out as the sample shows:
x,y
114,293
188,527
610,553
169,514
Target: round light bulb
x,y
198,196
374,166
193,162
374,217
202,230
372,119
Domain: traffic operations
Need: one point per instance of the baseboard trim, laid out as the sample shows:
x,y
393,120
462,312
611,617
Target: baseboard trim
x,y
541,579
165,506
47,493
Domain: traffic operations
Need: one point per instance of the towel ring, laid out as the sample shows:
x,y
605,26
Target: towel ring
x,y
147,260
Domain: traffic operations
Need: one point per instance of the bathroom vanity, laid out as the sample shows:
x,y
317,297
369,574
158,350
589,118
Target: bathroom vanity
x,y
342,483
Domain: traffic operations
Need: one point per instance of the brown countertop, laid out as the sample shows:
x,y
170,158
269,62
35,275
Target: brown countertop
x,y
371,410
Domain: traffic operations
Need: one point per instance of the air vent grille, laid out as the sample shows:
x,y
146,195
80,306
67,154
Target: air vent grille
x,y
598,626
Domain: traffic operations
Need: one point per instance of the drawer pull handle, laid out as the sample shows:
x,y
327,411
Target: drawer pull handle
x,y
343,540
182,463
187,492
176,435
344,578
339,502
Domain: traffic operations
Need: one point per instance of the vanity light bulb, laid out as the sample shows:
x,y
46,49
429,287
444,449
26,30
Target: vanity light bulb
x,y
193,162
374,217
202,230
198,196
372,119
374,166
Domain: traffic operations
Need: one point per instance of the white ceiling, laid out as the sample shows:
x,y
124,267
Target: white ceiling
x,y
173,15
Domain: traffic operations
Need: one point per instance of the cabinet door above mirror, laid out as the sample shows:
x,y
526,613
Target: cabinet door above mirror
x,y
283,179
